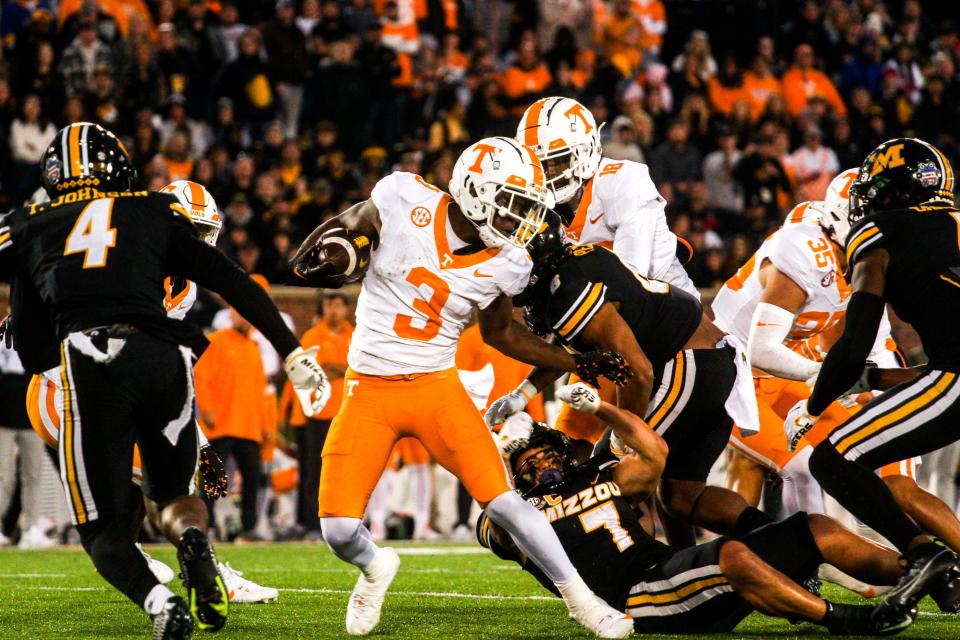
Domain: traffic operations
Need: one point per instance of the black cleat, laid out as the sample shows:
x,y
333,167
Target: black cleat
x,y
813,585
206,592
927,568
947,593
174,622
885,623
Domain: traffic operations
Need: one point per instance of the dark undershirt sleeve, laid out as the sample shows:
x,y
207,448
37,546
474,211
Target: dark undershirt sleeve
x,y
205,265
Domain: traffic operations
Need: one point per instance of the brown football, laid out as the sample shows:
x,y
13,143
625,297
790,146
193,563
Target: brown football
x,y
347,250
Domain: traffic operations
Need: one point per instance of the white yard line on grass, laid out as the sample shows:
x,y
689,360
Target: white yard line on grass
x,y
33,575
440,551
435,594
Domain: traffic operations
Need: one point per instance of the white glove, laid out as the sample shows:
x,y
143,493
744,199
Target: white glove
x,y
798,423
308,379
580,396
510,404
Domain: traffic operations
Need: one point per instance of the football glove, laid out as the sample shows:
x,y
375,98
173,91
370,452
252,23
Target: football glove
x,y
213,476
6,335
608,364
580,396
799,422
510,404
307,378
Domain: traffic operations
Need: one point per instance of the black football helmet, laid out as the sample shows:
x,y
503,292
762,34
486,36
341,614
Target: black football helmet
x,y
550,480
84,154
900,173
546,250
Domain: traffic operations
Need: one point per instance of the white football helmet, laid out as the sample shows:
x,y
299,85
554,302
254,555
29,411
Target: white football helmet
x,y
200,205
499,186
836,206
566,138
807,212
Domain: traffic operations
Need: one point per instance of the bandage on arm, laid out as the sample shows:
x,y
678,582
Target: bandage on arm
x,y
768,329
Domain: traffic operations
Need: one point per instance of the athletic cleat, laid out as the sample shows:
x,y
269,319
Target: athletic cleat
x,y
886,624
947,593
593,613
927,567
174,622
363,608
206,591
163,573
243,591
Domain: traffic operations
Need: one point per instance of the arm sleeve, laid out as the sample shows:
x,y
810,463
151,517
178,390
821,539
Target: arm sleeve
x,y
846,359
205,265
765,348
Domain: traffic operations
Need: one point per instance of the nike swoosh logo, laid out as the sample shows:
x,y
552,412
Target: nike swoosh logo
x,y
477,274
594,220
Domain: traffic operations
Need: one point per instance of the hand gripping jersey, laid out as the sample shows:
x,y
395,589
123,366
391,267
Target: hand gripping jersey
x,y
621,210
661,317
179,295
419,293
923,275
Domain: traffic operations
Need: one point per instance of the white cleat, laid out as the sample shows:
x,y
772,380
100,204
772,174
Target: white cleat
x,y
594,614
162,572
363,608
243,591
36,538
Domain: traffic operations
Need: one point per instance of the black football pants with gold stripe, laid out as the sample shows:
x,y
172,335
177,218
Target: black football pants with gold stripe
x,y
909,420
121,388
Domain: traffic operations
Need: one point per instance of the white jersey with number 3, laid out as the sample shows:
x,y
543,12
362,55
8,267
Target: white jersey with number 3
x,y
418,295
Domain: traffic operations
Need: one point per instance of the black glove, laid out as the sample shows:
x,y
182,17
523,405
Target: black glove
x,y
6,333
608,364
213,477
310,270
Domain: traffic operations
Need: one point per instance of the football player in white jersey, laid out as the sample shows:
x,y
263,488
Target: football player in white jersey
x,y
788,302
435,260
613,203
179,296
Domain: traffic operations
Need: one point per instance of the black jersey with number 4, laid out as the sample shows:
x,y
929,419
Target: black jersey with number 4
x,y
662,318
923,274
100,258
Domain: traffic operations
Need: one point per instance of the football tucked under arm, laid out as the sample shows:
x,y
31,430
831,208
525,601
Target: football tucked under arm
x,y
338,257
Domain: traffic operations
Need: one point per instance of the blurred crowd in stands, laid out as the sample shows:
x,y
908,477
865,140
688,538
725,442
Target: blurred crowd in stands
x,y
290,111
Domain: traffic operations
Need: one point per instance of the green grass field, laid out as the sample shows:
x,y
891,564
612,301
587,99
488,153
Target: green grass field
x,y
441,592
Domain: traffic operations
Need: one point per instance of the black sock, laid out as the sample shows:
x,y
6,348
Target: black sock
x,y
847,619
464,503
862,493
116,558
749,519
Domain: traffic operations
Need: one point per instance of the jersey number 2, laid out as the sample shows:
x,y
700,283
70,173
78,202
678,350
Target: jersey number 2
x,y
92,234
403,325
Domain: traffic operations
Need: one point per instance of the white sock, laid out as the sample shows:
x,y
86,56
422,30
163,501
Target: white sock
x,y
534,535
422,490
349,540
156,599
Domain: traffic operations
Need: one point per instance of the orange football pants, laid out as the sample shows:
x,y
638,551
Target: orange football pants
x,y
585,426
378,411
775,398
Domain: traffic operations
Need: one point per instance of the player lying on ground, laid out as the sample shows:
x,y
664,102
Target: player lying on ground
x,y
613,203
45,398
89,266
708,588
902,250
435,260
788,303
688,376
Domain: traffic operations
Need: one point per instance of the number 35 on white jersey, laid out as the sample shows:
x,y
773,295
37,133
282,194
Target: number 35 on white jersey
x,y
418,295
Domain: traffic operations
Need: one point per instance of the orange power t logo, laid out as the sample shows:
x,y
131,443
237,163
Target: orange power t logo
x,y
484,150
576,111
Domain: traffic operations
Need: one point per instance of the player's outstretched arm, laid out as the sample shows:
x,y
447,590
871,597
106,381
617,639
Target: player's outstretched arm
x,y
502,332
642,462
311,266
845,360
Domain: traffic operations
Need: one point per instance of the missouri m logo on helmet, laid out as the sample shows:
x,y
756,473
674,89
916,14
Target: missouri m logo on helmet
x,y
889,158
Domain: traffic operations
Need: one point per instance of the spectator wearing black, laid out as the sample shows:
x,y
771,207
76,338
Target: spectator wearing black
x,y
380,67
248,81
762,179
286,49
676,161
82,57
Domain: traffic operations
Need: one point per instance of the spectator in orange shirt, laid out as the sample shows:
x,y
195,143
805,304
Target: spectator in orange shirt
x,y
759,84
526,79
725,88
231,389
803,82
622,34
332,334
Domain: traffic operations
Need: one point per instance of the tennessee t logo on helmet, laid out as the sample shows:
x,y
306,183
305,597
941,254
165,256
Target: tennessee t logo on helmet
x,y
484,151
